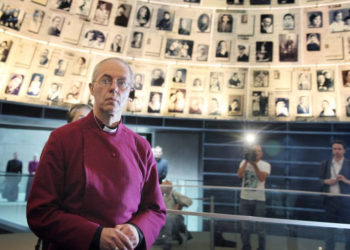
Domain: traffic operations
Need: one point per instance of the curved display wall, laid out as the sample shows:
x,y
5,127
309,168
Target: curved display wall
x,y
257,59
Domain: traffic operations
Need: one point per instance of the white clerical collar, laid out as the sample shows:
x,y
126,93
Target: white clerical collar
x,y
103,127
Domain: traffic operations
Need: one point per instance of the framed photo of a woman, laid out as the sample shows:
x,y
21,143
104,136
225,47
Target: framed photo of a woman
x,y
235,105
14,84
203,23
143,16
35,85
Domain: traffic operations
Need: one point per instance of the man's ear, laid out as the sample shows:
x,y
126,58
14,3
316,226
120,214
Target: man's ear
x,y
91,87
132,94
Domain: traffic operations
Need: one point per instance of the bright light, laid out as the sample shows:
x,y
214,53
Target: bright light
x,y
250,138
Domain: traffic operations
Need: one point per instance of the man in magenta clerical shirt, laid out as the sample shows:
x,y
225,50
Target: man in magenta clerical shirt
x,y
96,186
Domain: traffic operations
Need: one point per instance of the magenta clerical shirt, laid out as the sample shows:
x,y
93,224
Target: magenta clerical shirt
x,y
32,166
88,178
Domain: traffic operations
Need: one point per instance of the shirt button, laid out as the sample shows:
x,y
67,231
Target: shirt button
x,y
114,155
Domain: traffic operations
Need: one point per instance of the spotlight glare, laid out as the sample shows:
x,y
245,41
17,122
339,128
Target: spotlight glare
x,y
250,138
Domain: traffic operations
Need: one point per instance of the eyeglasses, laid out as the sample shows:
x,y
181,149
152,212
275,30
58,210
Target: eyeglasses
x,y
122,83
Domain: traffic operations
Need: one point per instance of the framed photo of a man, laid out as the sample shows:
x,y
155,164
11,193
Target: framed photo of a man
x,y
260,103
73,93
138,81
165,19
180,75
36,21
261,78
80,65
43,57
303,80
179,49
266,25
136,40
225,23
215,106
157,77
61,67
304,105
56,24
143,16
5,47
35,85
288,21
185,26
14,84
203,23
123,13
235,105
102,12
202,52
288,45
327,107
236,80
281,107
242,53
325,80
53,93
117,44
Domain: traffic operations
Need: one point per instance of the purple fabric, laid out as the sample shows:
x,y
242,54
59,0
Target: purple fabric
x,y
32,166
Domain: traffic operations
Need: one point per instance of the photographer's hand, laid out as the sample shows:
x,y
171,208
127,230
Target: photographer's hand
x,y
261,174
242,169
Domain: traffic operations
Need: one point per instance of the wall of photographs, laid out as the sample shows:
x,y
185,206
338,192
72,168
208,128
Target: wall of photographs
x,y
234,59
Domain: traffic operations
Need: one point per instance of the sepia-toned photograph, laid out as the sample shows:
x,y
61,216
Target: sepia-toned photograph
x,y
35,85
5,47
137,104
11,17
261,78
304,105
313,42
327,108
24,54
176,100
136,40
338,21
179,49
83,7
14,84
264,51
347,106
288,21
73,94
281,107
215,106
303,80
158,77
325,80
203,23
102,12
117,44
260,103
185,25
223,49
266,24
235,105
80,65
60,67
155,102
56,24
225,23
53,93
236,80
180,75
122,16
242,53
139,81
314,19
165,19
94,39
36,20
143,16
196,105
346,78
288,45
202,52
216,81
43,57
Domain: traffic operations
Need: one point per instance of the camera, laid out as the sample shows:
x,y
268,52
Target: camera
x,y
250,155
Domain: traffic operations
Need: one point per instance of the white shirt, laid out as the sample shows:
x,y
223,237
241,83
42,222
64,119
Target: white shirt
x,y
335,169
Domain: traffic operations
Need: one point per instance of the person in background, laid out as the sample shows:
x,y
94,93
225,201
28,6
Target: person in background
x,y
78,111
335,180
175,223
162,164
96,186
13,178
32,166
253,171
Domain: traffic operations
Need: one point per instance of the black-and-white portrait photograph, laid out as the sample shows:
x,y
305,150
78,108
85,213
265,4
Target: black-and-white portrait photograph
x,y
346,78
288,21
304,105
223,49
136,40
14,84
185,25
261,78
225,23
260,103
83,7
94,39
202,52
313,41
53,93
138,81
60,67
288,45
266,24
198,83
102,12
264,51
315,19
281,107
235,105
11,17
214,106
236,80
242,53
165,19
35,85
216,81
196,105
143,16
123,14
56,24
325,80
157,77
338,20
43,57
80,65
63,4
179,49
260,2
117,44
234,2
203,22
155,102
73,93
137,104
180,75
5,48
327,108
177,100
303,80
347,106
36,21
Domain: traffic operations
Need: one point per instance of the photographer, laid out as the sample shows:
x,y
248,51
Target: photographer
x,y
253,172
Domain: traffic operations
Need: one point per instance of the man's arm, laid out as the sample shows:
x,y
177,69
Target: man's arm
x,y
242,169
261,174
323,175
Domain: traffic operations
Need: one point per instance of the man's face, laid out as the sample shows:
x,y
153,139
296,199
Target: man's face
x,y
56,22
338,150
258,151
179,74
288,21
267,22
110,99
